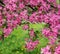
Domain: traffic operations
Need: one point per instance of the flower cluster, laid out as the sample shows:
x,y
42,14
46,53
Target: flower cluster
x,y
46,50
57,50
51,50
31,45
14,12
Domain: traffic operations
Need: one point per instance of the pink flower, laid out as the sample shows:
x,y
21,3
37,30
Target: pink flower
x,y
25,27
34,17
57,50
0,8
46,32
31,45
34,2
24,15
7,31
21,5
45,50
31,33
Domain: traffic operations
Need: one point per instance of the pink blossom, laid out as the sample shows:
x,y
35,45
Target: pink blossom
x,y
31,33
25,27
45,50
34,2
21,5
31,45
57,50
46,32
7,31
24,15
